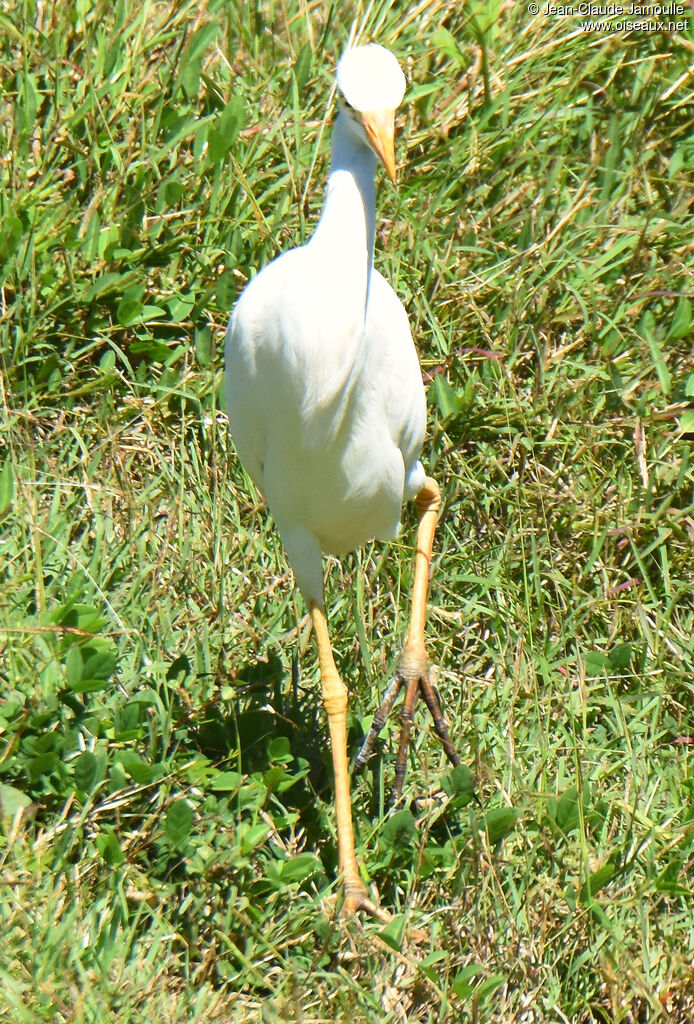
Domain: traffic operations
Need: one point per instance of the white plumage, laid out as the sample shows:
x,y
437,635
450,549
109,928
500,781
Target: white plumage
x,y
324,391
327,409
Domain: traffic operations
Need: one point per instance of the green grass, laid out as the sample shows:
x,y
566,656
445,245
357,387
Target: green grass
x,y
167,850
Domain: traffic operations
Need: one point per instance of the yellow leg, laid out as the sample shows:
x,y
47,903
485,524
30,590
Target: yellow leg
x,y
335,701
413,668
427,503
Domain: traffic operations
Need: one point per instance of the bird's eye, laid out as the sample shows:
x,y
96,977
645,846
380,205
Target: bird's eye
x,y
346,104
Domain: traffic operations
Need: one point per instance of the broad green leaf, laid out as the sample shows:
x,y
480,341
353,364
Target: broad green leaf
x,y
128,721
449,403
155,351
6,487
489,986
10,235
671,880
399,829
595,663
90,665
179,820
499,822
12,800
681,323
426,965
483,16
279,750
191,58
463,984
227,782
109,283
567,813
301,867
141,772
253,836
86,770
108,846
79,616
459,782
132,311
42,765
203,345
687,422
217,146
232,119
445,41
180,307
620,656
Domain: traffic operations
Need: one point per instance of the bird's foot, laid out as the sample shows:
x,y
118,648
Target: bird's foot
x,y
357,899
413,674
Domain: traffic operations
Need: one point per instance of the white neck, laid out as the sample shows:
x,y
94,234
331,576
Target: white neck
x,y
348,222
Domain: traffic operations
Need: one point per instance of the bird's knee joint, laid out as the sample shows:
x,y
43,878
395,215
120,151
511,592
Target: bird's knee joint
x,y
334,696
429,498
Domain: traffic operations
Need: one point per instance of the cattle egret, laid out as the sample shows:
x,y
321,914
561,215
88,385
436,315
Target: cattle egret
x,y
327,409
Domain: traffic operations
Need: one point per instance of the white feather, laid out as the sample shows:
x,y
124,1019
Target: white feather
x,y
323,387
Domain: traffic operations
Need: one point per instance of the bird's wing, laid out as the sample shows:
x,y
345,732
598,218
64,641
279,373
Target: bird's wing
x,y
293,355
392,361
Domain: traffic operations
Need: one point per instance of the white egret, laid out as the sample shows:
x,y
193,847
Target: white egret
x,y
327,410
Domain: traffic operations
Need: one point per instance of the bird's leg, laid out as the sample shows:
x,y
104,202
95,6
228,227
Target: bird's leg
x,y
335,701
413,667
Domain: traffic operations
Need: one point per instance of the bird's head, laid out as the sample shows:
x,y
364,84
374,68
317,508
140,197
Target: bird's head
x,y
371,85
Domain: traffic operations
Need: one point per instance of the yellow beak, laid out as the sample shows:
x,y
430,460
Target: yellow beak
x,y
379,126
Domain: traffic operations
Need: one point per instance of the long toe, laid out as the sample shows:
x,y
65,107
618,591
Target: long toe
x,y
379,721
413,671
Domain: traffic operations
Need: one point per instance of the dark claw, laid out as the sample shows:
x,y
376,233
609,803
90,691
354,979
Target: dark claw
x,y
379,721
415,683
